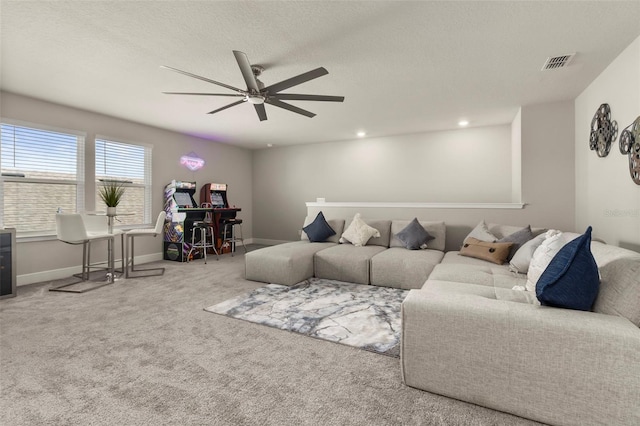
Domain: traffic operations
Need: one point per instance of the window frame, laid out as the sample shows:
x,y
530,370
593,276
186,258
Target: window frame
x,y
79,182
148,176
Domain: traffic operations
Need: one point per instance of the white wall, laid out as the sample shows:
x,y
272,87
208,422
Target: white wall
x,y
44,260
606,197
465,166
548,168
516,158
470,165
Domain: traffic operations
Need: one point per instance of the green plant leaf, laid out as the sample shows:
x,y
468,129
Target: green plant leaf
x,y
111,192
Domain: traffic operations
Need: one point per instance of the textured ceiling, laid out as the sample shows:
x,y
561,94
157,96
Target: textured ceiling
x,y
403,67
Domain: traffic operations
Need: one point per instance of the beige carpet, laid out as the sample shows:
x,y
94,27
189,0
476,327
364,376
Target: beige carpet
x,y
144,352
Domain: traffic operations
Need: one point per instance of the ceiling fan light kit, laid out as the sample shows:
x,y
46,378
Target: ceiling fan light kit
x,y
255,99
257,94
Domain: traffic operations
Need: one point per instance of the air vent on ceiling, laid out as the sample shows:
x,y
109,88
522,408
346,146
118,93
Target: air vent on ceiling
x,y
555,62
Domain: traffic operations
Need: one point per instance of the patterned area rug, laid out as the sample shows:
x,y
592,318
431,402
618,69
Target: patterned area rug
x,y
364,316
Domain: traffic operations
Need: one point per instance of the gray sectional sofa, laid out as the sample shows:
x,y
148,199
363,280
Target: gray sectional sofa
x,y
382,261
468,335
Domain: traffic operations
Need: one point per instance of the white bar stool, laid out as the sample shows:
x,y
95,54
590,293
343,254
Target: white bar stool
x,y
130,255
70,229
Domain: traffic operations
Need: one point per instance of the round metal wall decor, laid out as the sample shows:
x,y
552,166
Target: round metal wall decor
x,y
630,145
603,131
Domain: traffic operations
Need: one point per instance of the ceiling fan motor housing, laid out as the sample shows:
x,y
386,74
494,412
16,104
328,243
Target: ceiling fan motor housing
x,y
257,70
256,92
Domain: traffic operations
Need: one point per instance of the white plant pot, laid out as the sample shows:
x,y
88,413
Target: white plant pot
x,y
111,211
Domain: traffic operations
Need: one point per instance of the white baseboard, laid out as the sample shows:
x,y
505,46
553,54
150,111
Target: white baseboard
x,y
56,274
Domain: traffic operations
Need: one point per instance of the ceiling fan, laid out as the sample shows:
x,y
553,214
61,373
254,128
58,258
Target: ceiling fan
x,y
257,94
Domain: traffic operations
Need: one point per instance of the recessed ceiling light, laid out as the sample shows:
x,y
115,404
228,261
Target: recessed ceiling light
x,y
269,145
463,123
361,134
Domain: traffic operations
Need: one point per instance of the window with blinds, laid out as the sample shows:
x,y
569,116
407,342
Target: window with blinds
x,y
130,164
42,171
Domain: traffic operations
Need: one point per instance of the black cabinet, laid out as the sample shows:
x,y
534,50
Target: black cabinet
x,y
7,263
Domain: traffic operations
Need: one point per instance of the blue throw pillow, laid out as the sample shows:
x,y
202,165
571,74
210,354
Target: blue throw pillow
x,y
319,230
571,280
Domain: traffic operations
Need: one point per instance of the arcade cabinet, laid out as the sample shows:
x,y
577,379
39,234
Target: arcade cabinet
x,y
215,195
182,211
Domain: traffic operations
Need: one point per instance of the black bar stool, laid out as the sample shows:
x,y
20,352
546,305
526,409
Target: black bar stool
x,y
230,238
205,230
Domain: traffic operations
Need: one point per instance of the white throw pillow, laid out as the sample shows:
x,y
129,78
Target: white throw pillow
x,y
543,255
358,232
522,259
482,233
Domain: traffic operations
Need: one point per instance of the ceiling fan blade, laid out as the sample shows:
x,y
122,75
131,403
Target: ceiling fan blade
x,y
203,94
226,106
294,97
262,113
247,73
299,79
280,104
204,79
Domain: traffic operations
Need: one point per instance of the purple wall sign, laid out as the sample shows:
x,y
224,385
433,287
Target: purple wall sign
x,y
192,162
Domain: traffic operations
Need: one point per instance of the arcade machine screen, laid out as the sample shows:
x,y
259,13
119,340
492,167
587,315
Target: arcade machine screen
x,y
183,199
216,200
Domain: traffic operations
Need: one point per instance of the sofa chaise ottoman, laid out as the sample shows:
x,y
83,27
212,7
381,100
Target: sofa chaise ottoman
x,y
288,263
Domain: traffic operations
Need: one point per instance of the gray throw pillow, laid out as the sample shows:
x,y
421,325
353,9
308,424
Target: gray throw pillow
x,y
518,238
414,236
521,260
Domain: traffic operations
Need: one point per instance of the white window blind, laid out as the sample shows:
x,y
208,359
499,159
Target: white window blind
x,y
42,171
130,164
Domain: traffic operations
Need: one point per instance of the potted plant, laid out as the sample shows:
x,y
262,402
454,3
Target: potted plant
x,y
111,193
